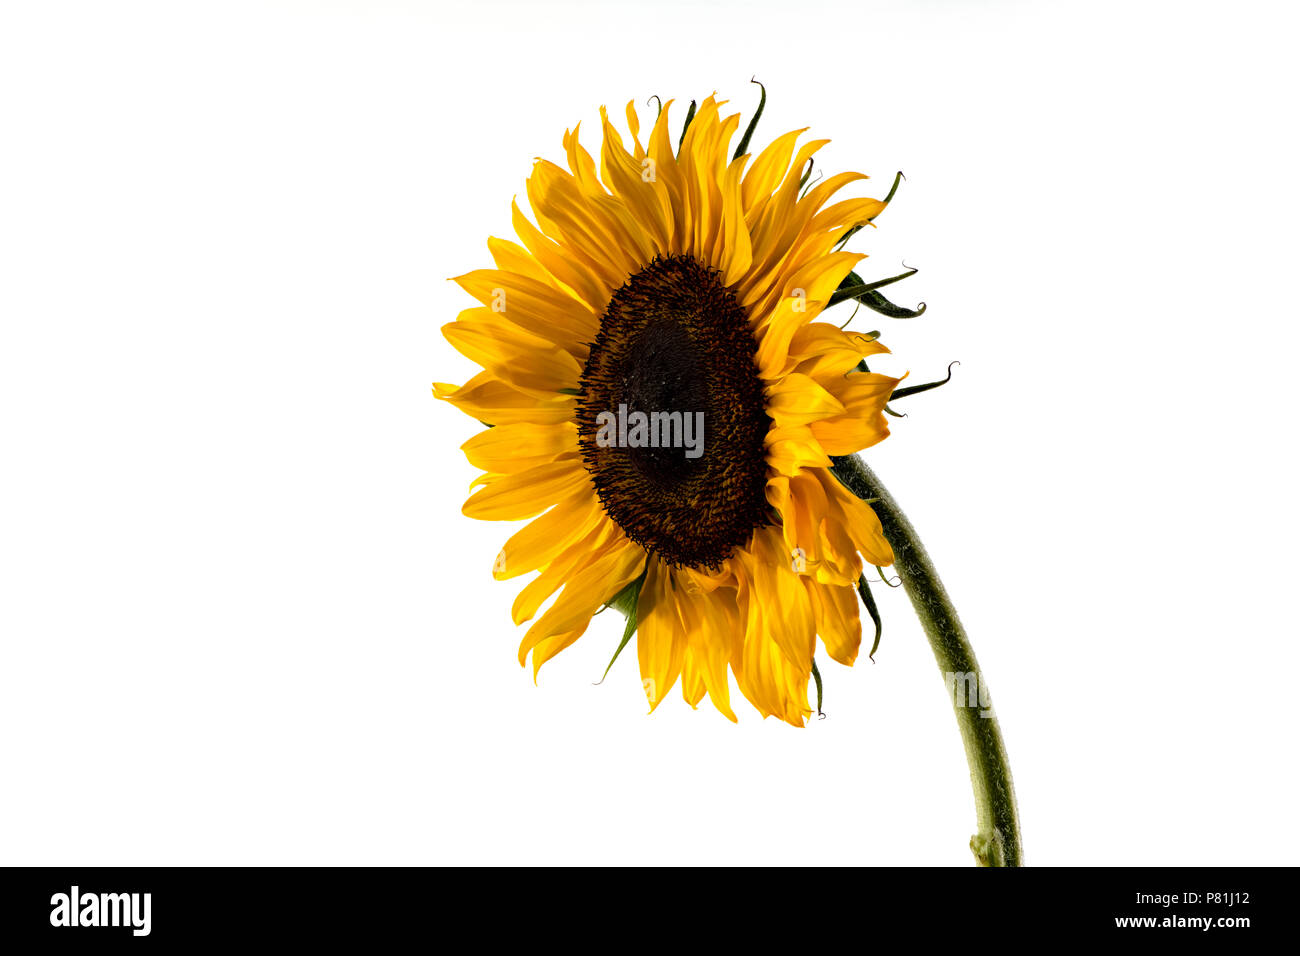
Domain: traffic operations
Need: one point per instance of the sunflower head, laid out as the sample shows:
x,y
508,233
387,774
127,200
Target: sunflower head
x,y
663,401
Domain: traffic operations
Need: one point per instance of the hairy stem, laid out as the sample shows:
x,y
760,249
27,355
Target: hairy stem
x,y
997,843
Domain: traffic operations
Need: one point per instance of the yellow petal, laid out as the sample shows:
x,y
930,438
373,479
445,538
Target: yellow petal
x,y
807,293
660,638
798,400
587,550
801,502
636,185
838,622
535,307
824,353
737,253
661,150
507,449
518,358
581,223
512,257
634,126
585,592
490,400
527,493
844,215
581,164
779,603
567,267
713,639
766,677
538,544
793,447
769,168
862,424
861,523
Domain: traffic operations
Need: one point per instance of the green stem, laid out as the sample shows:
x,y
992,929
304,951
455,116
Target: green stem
x,y
998,841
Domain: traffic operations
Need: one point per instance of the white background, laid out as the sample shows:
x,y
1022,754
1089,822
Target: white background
x,y
245,622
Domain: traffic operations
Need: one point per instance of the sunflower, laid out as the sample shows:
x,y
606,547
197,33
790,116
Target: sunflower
x,y
675,294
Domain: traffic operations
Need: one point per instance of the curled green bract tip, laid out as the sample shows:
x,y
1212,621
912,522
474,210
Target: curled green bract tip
x,y
743,146
817,677
918,389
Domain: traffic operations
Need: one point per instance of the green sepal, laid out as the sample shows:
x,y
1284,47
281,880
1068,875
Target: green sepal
x,y
853,287
898,178
878,303
625,602
817,676
806,183
690,115
803,180
869,602
917,389
846,237
856,229
743,145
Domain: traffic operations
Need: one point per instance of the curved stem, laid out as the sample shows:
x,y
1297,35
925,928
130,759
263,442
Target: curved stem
x,y
998,841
